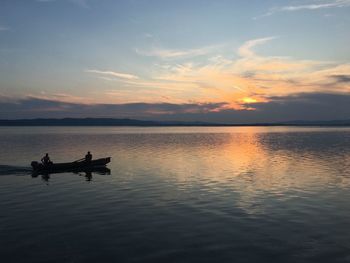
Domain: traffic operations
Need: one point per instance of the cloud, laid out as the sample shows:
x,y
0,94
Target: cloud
x,y
60,97
341,78
33,107
112,73
4,28
250,77
336,3
307,106
243,84
148,35
246,49
81,3
312,6
175,53
301,106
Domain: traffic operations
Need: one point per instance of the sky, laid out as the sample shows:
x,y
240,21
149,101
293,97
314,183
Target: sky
x,y
226,61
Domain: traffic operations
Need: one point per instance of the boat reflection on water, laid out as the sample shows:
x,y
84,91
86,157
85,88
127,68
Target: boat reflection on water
x,y
100,171
87,173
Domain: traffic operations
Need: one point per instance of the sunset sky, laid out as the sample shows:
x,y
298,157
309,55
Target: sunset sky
x,y
194,60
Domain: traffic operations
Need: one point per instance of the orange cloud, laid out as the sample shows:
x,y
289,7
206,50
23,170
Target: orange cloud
x,y
249,79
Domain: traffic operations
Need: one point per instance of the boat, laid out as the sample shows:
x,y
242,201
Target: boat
x,y
76,166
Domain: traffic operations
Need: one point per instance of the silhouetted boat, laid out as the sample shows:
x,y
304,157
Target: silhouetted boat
x,y
76,166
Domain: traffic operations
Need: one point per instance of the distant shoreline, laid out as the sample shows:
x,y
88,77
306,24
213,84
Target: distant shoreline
x,y
109,122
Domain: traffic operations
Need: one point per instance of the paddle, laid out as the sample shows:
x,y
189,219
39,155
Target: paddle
x,y
79,160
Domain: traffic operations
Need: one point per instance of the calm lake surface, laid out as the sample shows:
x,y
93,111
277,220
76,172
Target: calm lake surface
x,y
189,194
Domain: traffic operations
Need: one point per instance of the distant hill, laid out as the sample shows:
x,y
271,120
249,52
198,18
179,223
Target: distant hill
x,y
319,123
132,122
97,122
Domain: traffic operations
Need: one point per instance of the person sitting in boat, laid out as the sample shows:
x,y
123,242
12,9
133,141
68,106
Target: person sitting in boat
x,y
46,160
88,157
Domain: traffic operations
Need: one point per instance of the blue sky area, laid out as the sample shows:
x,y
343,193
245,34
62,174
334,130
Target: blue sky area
x,y
223,61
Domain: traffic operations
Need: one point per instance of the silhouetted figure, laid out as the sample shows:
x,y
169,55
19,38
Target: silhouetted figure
x,y
46,160
88,157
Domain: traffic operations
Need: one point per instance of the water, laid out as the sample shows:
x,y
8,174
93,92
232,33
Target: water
x,y
184,194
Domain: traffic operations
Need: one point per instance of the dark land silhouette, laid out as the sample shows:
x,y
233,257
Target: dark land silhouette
x,y
146,123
